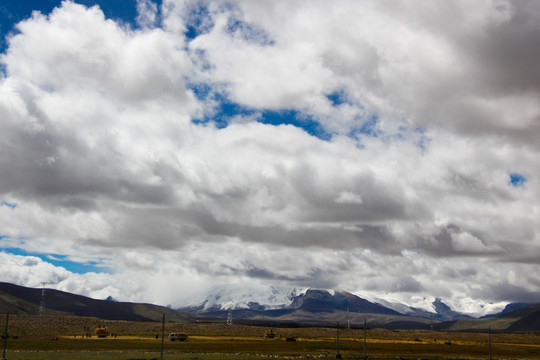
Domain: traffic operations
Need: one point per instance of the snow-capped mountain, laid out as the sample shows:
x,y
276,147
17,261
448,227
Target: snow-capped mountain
x,y
309,307
429,306
225,298
238,297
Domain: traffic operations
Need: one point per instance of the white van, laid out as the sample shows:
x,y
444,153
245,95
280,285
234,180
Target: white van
x,y
177,336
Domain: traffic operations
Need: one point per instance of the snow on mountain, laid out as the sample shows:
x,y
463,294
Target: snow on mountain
x,y
238,297
475,308
416,305
226,297
402,308
406,306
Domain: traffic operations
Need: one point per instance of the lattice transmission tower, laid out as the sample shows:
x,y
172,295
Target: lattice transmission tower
x,y
42,301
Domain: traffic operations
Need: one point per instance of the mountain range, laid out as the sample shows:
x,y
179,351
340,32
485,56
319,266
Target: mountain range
x,y
309,307
278,307
318,307
15,299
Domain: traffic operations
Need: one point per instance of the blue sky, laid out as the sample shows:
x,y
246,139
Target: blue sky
x,y
125,12
59,260
259,143
11,12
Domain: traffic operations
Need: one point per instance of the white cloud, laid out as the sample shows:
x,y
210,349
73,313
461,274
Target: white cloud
x,y
349,197
146,13
428,64
30,271
103,159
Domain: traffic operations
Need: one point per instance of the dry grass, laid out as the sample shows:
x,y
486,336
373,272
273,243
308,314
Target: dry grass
x,y
137,340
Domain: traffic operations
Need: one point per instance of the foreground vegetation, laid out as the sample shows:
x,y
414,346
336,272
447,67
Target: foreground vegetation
x,y
66,338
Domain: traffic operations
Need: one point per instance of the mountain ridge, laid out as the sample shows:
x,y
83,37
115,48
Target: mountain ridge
x,y
312,307
16,299
322,306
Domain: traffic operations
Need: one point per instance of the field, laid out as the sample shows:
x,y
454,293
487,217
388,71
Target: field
x,y
33,337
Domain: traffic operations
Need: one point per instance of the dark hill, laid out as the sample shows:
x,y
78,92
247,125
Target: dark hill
x,y
529,319
22,300
510,308
323,301
526,319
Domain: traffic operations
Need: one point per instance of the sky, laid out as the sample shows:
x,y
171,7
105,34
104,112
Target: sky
x,y
151,151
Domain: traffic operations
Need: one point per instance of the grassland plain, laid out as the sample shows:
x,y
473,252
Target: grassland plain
x,y
64,337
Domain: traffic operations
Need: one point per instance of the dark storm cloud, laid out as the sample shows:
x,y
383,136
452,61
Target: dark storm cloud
x,y
315,277
168,228
61,169
406,284
473,187
507,53
505,291
445,244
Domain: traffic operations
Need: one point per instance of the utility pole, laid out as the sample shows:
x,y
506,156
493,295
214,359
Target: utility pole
x,y
489,338
5,337
365,356
162,334
338,355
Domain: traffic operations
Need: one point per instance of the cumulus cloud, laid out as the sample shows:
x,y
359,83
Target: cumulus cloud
x,y
147,13
111,154
450,65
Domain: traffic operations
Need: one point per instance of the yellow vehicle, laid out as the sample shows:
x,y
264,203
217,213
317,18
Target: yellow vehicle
x,y
101,331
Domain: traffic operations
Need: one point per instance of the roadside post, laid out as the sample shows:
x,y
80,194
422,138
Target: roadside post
x,y
365,356
489,337
162,334
338,355
5,338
